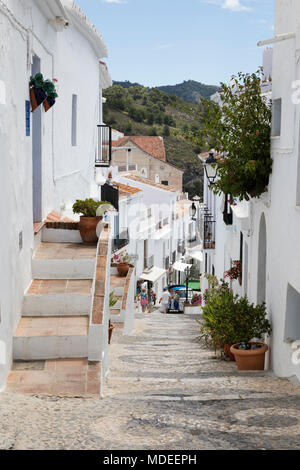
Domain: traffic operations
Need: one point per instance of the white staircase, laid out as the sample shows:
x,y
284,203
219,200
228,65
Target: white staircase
x,y
57,305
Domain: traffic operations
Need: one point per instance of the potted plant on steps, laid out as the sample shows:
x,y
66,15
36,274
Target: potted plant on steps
x,y
111,326
91,214
229,320
123,263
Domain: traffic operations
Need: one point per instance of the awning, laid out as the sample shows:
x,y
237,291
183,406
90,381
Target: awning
x,y
153,275
198,255
179,266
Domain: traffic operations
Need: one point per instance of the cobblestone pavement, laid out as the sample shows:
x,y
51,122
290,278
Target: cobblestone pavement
x,y
164,391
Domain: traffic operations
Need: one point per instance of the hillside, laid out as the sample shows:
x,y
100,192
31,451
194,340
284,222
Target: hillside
x,y
189,91
136,110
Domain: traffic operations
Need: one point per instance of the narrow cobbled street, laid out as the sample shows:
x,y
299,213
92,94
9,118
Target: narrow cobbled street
x,y
164,391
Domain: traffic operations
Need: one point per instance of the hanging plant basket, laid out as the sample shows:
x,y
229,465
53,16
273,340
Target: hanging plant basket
x,y
37,97
48,103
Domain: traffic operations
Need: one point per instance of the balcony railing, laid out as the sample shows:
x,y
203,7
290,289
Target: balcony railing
x,y
120,241
110,194
149,262
104,147
181,247
167,262
209,238
174,257
227,214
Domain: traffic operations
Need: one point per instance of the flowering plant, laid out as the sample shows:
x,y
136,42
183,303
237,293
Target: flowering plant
x,y
122,258
235,272
197,299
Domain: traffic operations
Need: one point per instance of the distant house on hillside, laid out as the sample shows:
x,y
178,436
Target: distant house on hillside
x,y
148,156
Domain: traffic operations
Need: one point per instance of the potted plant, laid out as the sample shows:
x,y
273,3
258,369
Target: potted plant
x,y
50,90
235,272
229,320
122,260
90,211
37,93
195,305
112,302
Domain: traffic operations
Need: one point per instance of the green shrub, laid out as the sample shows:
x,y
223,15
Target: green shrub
x,y
230,319
87,207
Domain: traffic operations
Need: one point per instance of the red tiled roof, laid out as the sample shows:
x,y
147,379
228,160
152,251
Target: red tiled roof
x,y
153,145
127,189
140,179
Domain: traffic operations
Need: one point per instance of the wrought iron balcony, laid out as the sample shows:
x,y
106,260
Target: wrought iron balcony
x,y
104,146
149,262
167,262
120,241
209,238
227,214
110,193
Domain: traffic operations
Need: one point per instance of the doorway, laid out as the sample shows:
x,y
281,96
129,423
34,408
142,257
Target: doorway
x,y
262,261
37,153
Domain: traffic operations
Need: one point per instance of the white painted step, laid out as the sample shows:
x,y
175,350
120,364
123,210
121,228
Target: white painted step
x,y
39,338
58,297
64,261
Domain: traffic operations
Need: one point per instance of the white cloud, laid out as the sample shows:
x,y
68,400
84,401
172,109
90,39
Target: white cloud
x,y
165,46
234,5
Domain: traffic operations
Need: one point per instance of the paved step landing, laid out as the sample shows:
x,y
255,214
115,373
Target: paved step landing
x,y
63,377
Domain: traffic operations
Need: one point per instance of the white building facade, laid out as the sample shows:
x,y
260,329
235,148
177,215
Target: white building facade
x,y
47,159
264,233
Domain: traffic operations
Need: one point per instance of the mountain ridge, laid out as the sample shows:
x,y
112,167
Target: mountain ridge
x,y
189,90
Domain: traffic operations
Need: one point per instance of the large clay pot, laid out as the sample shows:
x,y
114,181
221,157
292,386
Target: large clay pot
x,y
228,353
250,359
87,229
123,269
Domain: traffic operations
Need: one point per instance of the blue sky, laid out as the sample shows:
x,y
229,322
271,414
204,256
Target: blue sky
x,y
163,42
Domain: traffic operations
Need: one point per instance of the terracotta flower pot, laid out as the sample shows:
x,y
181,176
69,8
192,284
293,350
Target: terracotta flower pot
x,y
48,103
123,269
228,353
250,359
111,328
87,229
37,97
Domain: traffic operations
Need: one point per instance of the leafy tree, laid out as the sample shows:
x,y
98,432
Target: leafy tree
x,y
166,131
241,129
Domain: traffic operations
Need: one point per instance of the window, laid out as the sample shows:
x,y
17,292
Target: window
x,y
157,179
276,118
241,257
292,316
166,183
74,120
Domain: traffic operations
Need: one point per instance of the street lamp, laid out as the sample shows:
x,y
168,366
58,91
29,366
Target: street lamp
x,y
211,168
187,278
193,211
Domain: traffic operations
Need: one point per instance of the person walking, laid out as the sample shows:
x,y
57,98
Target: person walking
x,y
144,300
165,300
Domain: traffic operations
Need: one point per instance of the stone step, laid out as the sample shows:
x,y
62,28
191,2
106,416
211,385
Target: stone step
x,y
41,338
46,297
115,311
64,261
